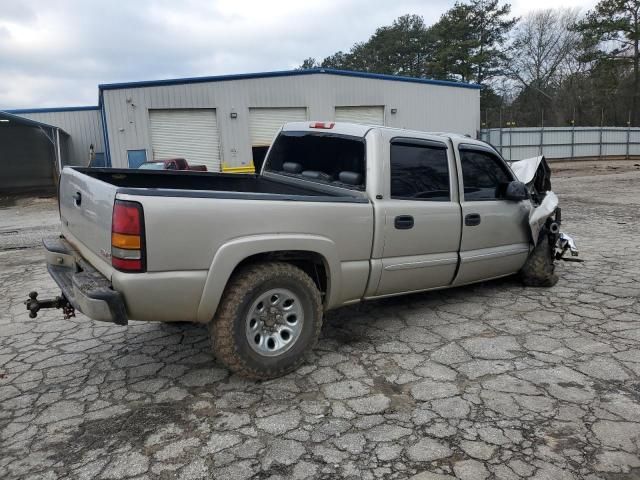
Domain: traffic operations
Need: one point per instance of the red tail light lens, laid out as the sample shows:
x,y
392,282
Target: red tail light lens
x,y
127,217
127,237
126,265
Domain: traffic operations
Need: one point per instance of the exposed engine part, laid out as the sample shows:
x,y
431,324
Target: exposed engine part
x,y
564,243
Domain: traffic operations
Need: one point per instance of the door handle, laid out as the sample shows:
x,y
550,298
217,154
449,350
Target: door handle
x,y
472,220
403,222
77,199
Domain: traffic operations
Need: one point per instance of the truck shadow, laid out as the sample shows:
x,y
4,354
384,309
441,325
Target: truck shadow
x,y
167,362
354,323
159,382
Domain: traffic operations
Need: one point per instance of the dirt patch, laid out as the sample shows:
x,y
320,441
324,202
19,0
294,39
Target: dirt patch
x,y
578,168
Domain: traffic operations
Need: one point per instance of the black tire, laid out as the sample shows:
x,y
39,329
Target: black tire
x,y
539,271
228,328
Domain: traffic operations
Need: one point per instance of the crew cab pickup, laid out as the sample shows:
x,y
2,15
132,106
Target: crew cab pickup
x,y
340,213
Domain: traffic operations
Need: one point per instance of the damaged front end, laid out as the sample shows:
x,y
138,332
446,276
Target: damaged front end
x,y
546,217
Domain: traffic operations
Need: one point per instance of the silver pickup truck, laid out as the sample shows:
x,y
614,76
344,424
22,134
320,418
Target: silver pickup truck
x,y
340,213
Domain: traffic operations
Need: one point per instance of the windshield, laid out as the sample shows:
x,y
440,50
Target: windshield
x,y
322,157
152,166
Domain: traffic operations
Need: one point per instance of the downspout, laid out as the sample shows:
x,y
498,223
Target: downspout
x,y
105,133
59,154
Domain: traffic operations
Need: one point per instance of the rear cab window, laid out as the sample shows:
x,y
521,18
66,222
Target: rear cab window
x,y
331,159
485,176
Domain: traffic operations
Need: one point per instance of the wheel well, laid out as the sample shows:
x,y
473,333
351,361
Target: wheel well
x,y
312,263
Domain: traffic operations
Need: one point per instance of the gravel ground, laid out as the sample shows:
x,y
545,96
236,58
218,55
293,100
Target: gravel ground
x,y
25,220
480,382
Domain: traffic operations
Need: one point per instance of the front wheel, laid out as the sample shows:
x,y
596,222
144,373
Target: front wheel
x,y
269,316
539,271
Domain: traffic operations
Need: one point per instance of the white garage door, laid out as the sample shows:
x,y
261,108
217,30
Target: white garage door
x,y
264,123
369,115
186,133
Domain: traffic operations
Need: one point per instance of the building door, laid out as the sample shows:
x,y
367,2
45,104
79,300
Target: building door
x,y
264,123
368,115
99,161
190,133
135,158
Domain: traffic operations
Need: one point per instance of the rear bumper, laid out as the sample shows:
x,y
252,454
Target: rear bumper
x,y
82,285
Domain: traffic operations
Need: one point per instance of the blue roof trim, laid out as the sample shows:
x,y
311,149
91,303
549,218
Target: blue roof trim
x,y
52,109
400,78
26,121
283,73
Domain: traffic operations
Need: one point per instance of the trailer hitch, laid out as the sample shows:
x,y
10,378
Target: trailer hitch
x,y
34,305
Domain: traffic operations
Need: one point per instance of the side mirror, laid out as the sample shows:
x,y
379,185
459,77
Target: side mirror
x,y
516,191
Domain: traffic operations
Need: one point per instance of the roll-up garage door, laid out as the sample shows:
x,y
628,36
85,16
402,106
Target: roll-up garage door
x,y
186,133
368,115
264,123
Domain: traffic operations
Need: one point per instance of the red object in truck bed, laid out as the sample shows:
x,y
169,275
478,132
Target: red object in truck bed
x,y
172,164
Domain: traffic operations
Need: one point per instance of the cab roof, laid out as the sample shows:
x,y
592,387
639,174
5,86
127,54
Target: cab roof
x,y
361,130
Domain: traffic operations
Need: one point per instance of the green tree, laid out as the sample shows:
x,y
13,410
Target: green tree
x,y
470,40
309,63
465,44
611,31
398,49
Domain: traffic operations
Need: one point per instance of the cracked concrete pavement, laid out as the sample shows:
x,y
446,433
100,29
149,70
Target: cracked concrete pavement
x,y
492,381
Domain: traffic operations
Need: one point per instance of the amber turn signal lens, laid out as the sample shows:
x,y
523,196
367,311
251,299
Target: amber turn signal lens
x,y
121,240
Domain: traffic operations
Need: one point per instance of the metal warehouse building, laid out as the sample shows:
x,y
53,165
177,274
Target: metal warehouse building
x,y
228,122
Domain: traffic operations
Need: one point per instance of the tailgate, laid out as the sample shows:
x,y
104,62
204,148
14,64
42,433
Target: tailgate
x,y
86,207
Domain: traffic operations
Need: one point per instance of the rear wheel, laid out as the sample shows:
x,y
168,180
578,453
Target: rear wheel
x,y
269,316
539,271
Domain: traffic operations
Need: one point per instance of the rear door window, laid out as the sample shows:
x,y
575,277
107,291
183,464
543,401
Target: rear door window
x,y
419,171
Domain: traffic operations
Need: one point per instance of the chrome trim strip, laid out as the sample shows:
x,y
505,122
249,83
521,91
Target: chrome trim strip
x,y
421,264
502,253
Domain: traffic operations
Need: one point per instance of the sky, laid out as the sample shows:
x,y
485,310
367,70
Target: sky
x,y
56,53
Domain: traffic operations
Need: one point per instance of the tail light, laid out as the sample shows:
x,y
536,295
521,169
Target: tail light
x,y
127,237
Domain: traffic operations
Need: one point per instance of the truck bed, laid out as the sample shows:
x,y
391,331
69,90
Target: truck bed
x,y
208,184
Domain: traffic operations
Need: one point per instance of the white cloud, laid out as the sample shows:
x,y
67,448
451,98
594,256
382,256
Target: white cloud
x,y
55,53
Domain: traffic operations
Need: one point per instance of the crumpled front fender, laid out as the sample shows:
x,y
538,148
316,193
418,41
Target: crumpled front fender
x,y
541,213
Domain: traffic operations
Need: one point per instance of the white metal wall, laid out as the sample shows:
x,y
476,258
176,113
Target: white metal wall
x,y
563,142
419,106
83,126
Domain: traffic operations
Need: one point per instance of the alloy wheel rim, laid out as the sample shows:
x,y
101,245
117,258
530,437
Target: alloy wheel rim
x,y
274,322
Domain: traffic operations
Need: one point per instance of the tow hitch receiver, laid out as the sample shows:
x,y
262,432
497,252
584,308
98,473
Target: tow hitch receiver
x,y
34,305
